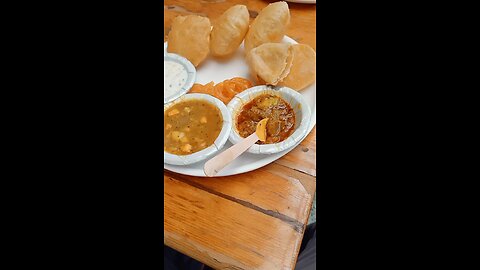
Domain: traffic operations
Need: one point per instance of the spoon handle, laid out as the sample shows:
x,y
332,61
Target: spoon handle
x,y
214,165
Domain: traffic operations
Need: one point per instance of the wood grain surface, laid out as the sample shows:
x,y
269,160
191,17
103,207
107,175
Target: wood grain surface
x,y
254,220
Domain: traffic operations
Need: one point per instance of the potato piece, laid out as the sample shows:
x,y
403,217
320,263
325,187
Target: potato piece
x,y
203,120
177,135
269,26
173,112
303,70
229,30
190,38
268,102
168,126
184,139
186,148
268,62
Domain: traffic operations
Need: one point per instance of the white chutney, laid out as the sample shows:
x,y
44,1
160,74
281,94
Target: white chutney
x,y
175,77
179,76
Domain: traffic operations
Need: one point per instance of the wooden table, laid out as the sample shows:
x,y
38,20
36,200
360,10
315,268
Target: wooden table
x,y
254,220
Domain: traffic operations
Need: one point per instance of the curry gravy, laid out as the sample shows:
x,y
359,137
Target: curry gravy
x,y
191,126
280,125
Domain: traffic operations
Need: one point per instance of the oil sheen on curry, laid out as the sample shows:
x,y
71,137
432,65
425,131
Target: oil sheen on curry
x,y
280,125
191,126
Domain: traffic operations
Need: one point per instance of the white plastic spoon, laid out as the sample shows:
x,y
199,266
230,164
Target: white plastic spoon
x,y
216,164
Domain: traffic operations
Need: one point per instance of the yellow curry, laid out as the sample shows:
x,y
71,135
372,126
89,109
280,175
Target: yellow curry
x,y
191,126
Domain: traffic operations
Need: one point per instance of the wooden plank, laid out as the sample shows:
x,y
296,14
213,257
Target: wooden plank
x,y
303,157
223,233
274,189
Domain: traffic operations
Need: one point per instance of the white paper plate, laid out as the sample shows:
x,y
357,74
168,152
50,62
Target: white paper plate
x,y
292,97
216,70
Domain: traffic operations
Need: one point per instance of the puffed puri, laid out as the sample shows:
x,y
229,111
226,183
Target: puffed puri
x,y
269,26
190,38
291,65
302,72
229,30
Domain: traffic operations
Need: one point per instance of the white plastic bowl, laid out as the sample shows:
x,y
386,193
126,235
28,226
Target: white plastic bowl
x,y
292,97
191,71
212,149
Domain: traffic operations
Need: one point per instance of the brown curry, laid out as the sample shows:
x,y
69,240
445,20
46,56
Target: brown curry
x,y
191,126
280,125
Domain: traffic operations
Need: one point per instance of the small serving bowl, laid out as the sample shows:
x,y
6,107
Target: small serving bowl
x,y
212,149
191,71
292,97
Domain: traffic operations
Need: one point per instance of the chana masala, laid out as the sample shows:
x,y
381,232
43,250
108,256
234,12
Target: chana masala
x,y
191,126
280,125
